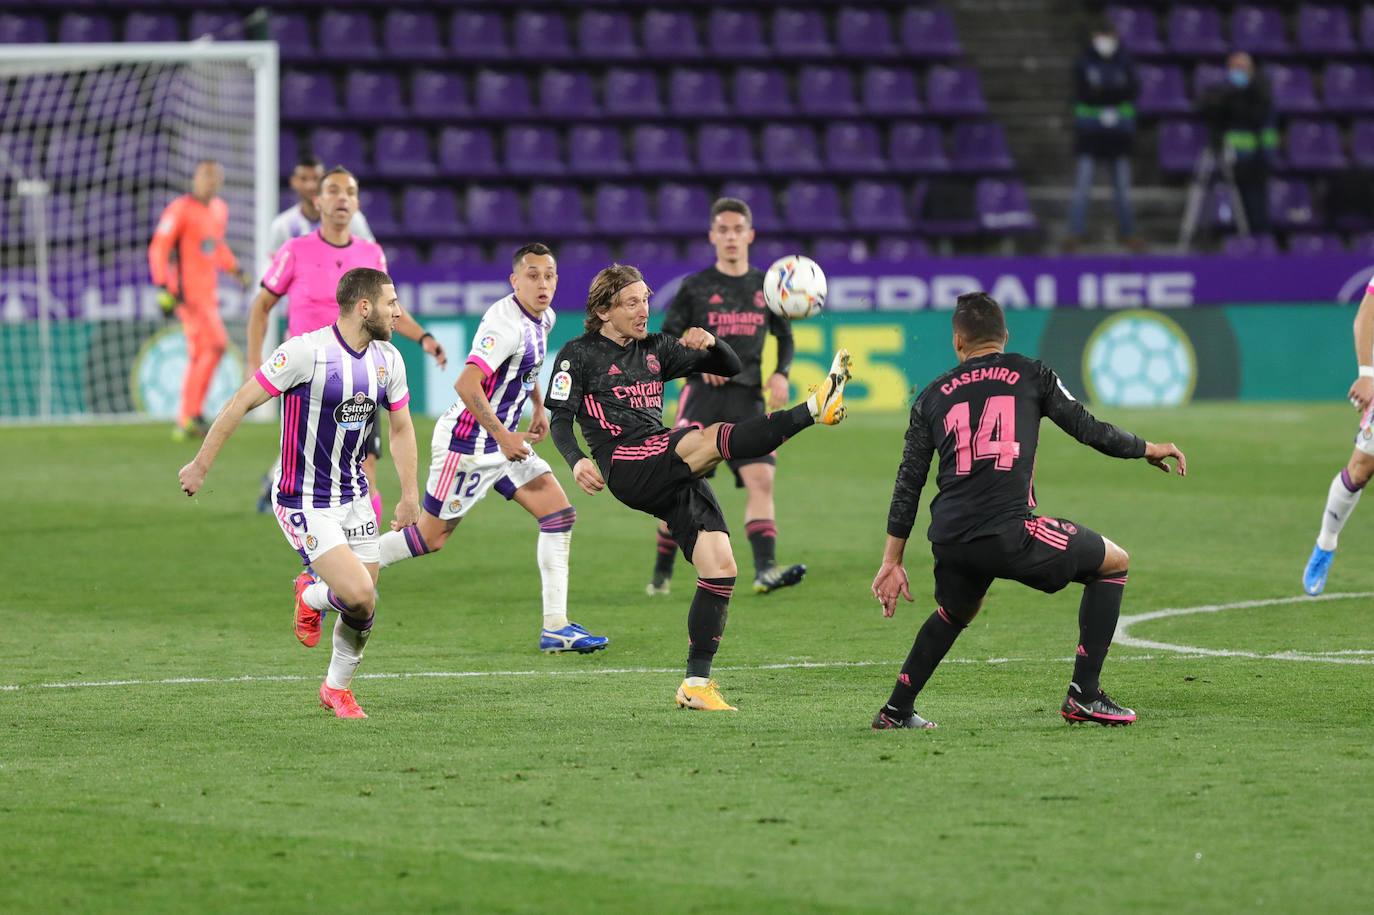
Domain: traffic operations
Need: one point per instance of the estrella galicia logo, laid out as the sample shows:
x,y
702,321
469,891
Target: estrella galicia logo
x,y
354,414
530,377
652,360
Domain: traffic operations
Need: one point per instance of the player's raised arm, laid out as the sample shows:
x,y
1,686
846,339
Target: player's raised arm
x,y
469,387
1362,388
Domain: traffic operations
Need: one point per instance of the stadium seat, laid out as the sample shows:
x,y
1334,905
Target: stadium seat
x,y
696,93
430,212
929,32
790,149
479,36
287,150
606,35
661,150
1325,30
346,37
533,151
799,34
1362,143
864,34
441,94
1207,77
585,251
854,148
1161,90
1292,88
649,251
1248,245
141,26
1195,31
1180,142
341,146
219,26
494,210
826,91
914,147
631,93
1290,204
501,95
1137,29
813,206
543,35
376,205
24,29
567,94
761,91
981,146
402,152
878,206
596,151
621,209
839,250
682,208
725,149
557,206
80,27
736,34
1348,88
412,35
759,196
897,249
1367,27
1315,243
954,91
671,34
374,94
890,91
1002,205
402,255
1314,146
765,250
291,32
1363,244
467,152
456,253
1259,30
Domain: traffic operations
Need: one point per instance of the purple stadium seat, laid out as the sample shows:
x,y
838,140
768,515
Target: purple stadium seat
x,y
954,91
79,27
430,212
1290,204
596,151
438,94
1180,142
864,34
346,36
696,93
981,146
631,92
897,249
1362,143
1248,245
671,34
456,253
766,250
1367,27
567,94
1348,87
725,149
402,152
878,206
585,251
1292,87
649,251
799,34
1325,30
340,146
1137,28
621,209
854,148
759,196
1002,205
288,148
682,208
142,26
890,91
466,152
542,35
500,94
929,32
913,146
1195,31
761,91
1161,90
557,207
374,94
1314,146
826,91
1363,244
22,29
494,210
1259,30
533,150
479,35
375,204
736,34
1207,77
402,255
219,26
291,32
813,206
1315,243
839,250
790,149
412,35
606,35
661,150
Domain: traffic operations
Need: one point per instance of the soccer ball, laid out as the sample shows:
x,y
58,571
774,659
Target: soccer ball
x,y
794,287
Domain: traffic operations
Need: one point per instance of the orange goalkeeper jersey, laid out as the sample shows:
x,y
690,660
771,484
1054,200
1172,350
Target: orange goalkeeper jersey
x,y
194,232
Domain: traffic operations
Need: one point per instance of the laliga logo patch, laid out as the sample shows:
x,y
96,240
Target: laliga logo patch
x,y
652,360
278,361
560,387
381,375
311,542
486,343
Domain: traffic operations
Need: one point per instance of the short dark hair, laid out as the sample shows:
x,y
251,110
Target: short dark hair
x,y
537,248
979,319
358,284
605,287
731,205
337,170
309,160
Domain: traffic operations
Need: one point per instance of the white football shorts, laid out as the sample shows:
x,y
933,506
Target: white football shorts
x,y
457,482
1364,439
312,532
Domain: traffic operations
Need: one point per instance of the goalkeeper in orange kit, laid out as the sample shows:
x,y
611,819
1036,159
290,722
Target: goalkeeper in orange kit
x,y
185,255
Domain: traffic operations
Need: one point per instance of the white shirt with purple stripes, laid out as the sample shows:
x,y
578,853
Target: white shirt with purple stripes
x,y
330,397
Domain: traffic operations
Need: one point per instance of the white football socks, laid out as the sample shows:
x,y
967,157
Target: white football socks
x,y
552,552
316,596
1340,502
348,654
393,548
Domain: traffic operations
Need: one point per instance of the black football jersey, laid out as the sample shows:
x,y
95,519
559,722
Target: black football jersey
x,y
615,393
731,307
983,416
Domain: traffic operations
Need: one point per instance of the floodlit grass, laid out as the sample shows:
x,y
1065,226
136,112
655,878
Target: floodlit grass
x,y
491,778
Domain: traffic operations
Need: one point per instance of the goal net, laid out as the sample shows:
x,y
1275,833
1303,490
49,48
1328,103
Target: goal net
x,y
95,140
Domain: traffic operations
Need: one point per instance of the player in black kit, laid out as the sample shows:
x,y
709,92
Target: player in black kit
x,y
610,380
727,299
983,416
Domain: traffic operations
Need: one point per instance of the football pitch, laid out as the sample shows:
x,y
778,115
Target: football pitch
x,y
161,748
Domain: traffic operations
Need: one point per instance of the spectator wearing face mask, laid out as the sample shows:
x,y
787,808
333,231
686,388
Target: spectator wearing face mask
x,y
1240,118
1105,89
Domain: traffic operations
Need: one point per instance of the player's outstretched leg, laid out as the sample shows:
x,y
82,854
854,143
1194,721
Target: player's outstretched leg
x,y
705,626
826,402
1098,613
1341,499
932,643
660,581
761,435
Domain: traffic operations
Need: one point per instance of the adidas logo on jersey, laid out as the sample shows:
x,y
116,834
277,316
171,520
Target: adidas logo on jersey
x,y
715,299
615,370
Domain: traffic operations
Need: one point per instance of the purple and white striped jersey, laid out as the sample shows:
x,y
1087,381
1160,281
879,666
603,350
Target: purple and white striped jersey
x,y
509,348
330,395
291,223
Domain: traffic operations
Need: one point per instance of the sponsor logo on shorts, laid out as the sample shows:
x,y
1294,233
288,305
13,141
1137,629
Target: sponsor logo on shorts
x,y
353,414
652,361
560,387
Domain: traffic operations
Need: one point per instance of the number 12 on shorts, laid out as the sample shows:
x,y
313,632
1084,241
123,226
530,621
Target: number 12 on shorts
x,y
995,438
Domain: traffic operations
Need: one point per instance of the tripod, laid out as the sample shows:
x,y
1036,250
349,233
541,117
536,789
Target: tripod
x,y
1209,165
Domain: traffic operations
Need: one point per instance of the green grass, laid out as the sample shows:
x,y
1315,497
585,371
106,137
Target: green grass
x,y
491,778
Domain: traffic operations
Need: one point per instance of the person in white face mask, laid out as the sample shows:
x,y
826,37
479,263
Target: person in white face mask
x,y
1105,89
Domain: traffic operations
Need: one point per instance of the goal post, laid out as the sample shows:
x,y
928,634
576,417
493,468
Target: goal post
x,y
95,140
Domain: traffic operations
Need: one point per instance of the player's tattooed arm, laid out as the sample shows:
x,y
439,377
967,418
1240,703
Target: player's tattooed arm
x,y
469,387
